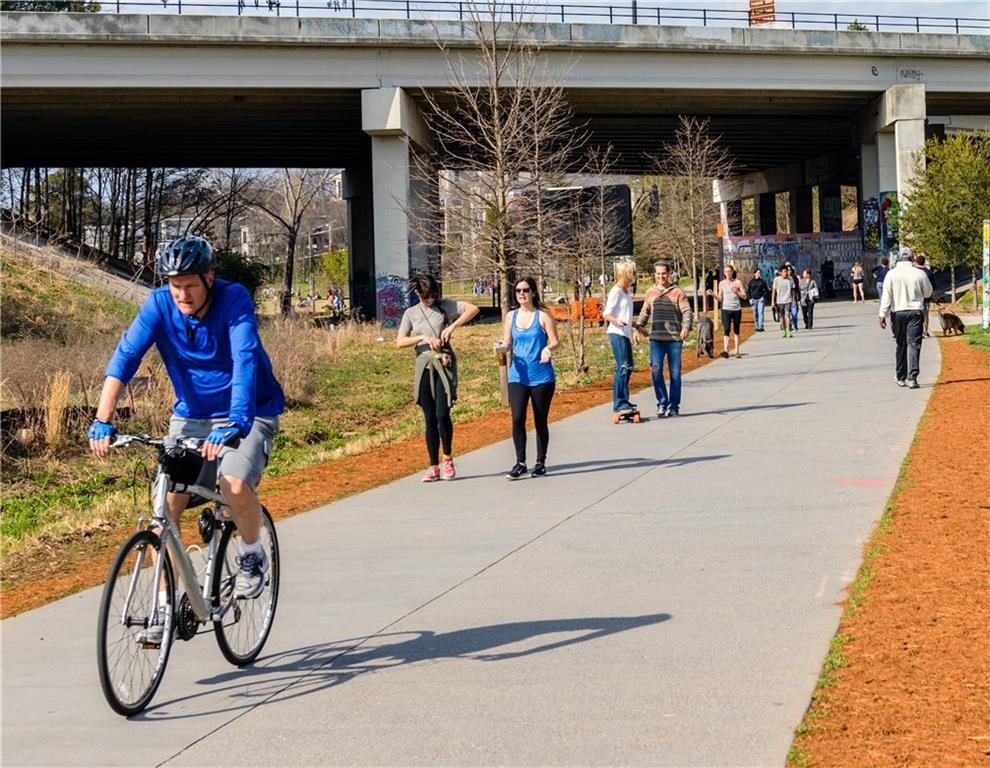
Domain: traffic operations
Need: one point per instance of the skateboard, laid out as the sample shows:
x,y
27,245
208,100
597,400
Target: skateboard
x,y
631,415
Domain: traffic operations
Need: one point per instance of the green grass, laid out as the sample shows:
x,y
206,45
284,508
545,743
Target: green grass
x,y
40,304
978,336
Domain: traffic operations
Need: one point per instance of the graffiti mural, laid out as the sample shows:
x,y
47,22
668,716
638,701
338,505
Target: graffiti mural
x,y
391,299
871,224
889,220
804,251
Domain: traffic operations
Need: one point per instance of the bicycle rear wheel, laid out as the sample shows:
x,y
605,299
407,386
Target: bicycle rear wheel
x,y
131,670
244,628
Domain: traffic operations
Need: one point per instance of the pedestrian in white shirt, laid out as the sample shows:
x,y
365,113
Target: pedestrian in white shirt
x,y
618,313
904,292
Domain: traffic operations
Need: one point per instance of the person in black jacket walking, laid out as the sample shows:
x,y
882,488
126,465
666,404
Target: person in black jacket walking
x,y
758,291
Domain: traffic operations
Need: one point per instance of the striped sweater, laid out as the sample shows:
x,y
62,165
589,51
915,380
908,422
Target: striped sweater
x,y
667,311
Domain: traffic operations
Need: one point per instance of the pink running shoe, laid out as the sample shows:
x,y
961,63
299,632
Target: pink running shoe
x,y
432,475
447,470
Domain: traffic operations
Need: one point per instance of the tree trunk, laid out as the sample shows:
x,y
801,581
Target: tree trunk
x,y
290,251
952,278
150,236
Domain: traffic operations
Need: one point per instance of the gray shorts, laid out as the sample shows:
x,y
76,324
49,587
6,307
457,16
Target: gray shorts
x,y
248,460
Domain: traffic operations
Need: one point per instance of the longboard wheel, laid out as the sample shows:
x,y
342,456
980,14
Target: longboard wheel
x,y
636,419
616,419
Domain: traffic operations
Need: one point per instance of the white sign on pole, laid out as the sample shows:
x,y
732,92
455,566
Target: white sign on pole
x,y
986,273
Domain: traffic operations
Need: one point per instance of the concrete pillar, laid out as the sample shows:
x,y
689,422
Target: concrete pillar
x,y
391,118
830,207
733,217
766,214
886,162
356,190
801,217
909,138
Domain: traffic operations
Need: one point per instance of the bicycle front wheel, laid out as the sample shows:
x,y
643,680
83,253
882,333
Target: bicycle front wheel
x,y
130,667
244,628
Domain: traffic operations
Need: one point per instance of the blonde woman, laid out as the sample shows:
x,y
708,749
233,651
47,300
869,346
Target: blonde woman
x,y
618,314
856,278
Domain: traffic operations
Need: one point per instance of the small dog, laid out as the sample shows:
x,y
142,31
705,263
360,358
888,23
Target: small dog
x,y
706,337
950,322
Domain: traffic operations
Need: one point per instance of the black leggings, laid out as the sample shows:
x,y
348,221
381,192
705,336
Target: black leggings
x,y
541,395
808,311
436,414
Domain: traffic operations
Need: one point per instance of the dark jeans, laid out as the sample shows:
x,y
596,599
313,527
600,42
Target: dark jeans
x,y
908,326
672,351
436,414
808,312
622,351
519,397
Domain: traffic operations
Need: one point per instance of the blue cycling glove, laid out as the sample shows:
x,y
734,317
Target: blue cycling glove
x,y
225,435
100,429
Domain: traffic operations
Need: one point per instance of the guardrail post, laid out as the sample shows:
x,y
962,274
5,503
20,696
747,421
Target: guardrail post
x,y
704,17
460,11
877,20
635,20
957,26
835,19
658,17
561,13
917,24
512,11
297,7
180,7
353,9
408,14
611,18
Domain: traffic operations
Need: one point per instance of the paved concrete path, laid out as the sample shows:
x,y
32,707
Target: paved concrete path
x,y
665,597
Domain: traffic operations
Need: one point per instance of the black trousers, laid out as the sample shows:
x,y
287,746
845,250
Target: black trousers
x,y
436,415
808,312
519,397
908,326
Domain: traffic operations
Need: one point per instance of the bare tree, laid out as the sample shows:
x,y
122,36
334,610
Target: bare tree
x,y
503,128
285,200
695,158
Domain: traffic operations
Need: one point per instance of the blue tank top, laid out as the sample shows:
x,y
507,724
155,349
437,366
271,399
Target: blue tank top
x,y
527,345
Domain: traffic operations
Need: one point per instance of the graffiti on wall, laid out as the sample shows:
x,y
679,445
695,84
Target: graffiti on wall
x,y
871,224
889,219
831,212
391,299
804,251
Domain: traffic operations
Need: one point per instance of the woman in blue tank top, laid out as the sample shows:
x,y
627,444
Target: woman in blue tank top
x,y
532,334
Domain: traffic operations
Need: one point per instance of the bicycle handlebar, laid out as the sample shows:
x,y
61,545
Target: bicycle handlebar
x,y
190,444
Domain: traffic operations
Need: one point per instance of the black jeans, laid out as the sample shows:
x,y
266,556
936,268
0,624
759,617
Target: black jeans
x,y
908,326
519,397
808,312
436,414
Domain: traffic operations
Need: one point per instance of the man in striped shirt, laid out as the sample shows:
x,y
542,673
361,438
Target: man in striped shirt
x,y
666,319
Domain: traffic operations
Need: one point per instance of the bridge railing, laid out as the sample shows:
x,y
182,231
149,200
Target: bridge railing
x,y
631,12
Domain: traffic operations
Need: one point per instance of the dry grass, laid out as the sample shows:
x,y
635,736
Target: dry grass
x,y
59,384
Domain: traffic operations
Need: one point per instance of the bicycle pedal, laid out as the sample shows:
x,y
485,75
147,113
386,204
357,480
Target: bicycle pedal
x,y
150,646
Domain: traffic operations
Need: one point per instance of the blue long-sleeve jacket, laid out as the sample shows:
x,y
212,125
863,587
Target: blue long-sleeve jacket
x,y
217,364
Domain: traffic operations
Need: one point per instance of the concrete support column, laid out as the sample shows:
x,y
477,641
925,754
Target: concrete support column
x,y
801,217
909,138
397,131
732,216
360,237
766,214
830,207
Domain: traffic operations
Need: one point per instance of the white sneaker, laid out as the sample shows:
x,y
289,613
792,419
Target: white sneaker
x,y
155,632
250,580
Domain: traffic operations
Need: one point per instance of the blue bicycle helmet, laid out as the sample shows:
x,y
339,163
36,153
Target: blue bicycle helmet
x,y
189,255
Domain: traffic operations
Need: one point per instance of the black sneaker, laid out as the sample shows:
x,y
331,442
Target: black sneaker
x,y
539,469
517,471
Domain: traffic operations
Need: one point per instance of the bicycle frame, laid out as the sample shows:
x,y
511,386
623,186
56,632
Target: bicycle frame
x,y
198,594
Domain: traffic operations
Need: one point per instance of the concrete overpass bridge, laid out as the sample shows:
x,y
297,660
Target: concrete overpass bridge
x,y
797,108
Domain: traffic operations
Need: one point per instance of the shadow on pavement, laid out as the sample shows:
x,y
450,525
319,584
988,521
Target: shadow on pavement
x,y
313,668
607,465
767,407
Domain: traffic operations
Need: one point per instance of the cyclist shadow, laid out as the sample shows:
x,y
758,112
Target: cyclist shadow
x,y
303,671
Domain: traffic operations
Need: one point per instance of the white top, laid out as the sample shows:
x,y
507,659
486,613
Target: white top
x,y
730,299
904,288
620,306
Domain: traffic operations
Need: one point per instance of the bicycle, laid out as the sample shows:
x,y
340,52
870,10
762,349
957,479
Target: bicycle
x,y
140,589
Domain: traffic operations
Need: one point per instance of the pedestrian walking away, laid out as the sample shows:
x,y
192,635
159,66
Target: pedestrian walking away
x,y
619,316
428,326
904,292
731,295
781,299
857,279
666,319
809,295
530,332
758,292
879,273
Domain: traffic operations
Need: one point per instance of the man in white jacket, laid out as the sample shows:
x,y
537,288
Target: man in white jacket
x,y
904,292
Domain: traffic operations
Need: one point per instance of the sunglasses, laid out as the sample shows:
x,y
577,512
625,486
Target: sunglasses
x,y
524,290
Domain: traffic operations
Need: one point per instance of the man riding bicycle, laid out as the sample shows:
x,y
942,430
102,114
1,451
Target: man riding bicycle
x,y
206,332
